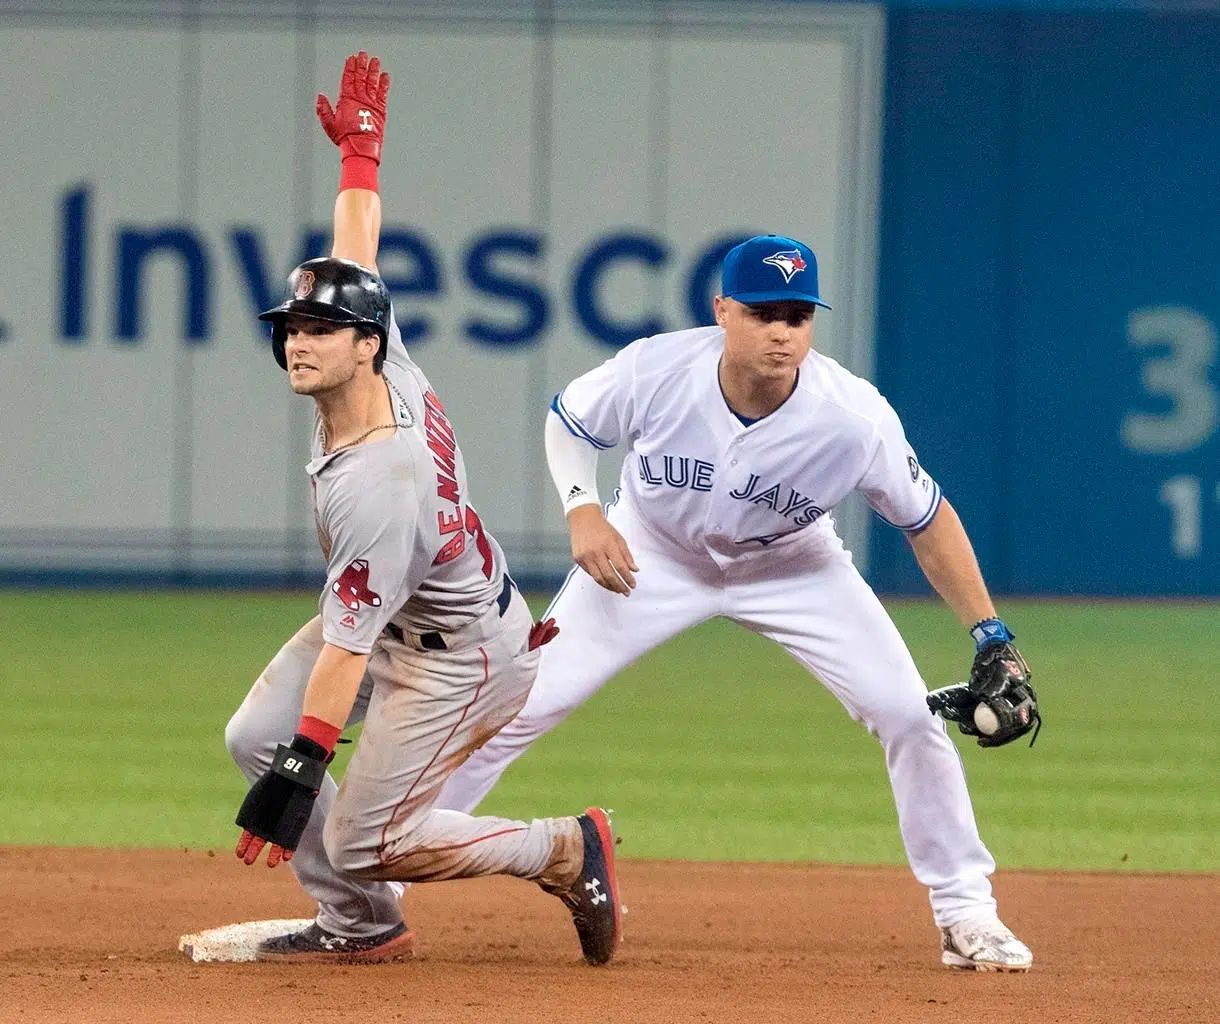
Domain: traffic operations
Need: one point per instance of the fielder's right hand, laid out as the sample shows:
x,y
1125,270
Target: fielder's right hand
x,y
599,549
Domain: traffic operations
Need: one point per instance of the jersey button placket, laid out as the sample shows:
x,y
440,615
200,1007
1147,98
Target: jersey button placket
x,y
720,488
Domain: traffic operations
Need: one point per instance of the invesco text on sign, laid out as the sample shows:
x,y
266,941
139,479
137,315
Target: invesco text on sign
x,y
501,264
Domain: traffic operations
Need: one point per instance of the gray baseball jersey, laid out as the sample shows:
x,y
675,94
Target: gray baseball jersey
x,y
405,547
403,543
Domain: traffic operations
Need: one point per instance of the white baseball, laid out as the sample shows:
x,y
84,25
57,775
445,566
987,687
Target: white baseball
x,y
985,720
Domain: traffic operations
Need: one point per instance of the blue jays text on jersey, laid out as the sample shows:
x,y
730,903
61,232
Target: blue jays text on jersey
x,y
714,486
698,475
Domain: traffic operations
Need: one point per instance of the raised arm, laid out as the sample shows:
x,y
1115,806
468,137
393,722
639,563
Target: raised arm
x,y
356,124
357,226
279,804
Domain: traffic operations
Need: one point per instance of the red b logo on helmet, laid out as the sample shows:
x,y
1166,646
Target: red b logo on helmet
x,y
304,285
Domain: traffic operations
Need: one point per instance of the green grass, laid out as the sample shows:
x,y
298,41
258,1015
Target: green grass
x,y
716,746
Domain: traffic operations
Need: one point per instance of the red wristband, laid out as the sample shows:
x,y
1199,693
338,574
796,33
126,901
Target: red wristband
x,y
322,733
358,172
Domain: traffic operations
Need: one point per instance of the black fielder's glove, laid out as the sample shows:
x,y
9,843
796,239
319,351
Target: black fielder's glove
x,y
278,806
998,704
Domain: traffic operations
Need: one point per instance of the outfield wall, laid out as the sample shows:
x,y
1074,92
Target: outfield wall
x,y
1040,300
1050,290
559,179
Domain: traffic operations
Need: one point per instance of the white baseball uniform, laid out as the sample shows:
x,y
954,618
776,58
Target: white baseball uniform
x,y
731,519
415,581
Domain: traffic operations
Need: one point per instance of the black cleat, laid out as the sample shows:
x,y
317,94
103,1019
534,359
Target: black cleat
x,y
316,945
593,898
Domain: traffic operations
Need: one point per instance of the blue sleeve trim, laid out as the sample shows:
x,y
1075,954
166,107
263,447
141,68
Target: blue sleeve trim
x,y
575,426
926,518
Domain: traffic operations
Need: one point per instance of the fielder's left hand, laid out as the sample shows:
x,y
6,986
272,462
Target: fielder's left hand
x,y
999,684
999,678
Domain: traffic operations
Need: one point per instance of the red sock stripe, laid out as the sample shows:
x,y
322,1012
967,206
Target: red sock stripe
x,y
322,733
358,172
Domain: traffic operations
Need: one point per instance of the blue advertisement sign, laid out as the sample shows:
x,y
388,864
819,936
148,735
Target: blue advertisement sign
x,y
1050,293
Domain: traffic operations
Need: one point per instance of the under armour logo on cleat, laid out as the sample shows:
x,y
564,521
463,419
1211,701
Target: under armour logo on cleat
x,y
596,895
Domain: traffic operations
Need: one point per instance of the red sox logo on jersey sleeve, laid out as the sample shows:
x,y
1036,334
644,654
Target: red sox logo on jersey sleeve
x,y
789,263
352,587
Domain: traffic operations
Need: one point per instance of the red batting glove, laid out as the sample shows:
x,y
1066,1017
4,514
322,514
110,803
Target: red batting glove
x,y
542,633
357,123
249,846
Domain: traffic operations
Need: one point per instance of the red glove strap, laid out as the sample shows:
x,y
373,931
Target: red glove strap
x,y
322,733
358,172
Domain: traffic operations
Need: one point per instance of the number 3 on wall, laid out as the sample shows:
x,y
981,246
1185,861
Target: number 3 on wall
x,y
1180,377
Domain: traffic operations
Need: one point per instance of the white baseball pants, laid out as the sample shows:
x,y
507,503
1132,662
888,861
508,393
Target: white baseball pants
x,y
809,599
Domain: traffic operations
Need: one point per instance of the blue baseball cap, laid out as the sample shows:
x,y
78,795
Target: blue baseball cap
x,y
770,268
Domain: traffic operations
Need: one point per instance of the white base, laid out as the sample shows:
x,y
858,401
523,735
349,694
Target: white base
x,y
236,943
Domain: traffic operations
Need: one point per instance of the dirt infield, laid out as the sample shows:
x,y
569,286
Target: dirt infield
x,y
89,937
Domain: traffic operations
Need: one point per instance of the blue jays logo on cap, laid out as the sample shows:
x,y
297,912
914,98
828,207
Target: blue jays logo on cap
x,y
789,263
771,268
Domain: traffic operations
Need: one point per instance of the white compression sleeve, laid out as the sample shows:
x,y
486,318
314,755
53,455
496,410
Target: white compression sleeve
x,y
573,464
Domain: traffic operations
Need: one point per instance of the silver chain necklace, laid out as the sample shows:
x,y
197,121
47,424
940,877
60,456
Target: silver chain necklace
x,y
403,411
352,444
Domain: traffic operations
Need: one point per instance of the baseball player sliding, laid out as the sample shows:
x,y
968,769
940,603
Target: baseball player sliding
x,y
421,633
741,439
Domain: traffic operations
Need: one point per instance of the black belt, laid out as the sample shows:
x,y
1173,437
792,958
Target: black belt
x,y
435,641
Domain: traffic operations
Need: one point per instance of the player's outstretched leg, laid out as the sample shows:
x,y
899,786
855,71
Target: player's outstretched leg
x,y
867,666
593,896
429,708
600,634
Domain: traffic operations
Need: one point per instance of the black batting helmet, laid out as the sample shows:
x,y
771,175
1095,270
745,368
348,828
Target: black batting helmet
x,y
341,291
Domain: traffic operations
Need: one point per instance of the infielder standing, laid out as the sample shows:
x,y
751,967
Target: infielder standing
x,y
741,439
421,632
